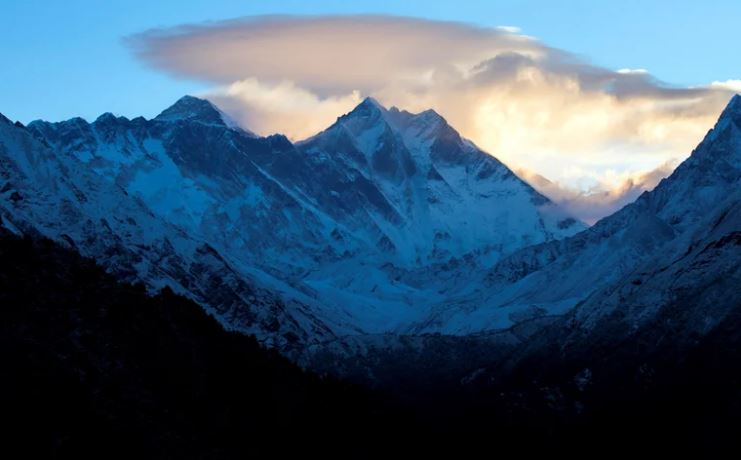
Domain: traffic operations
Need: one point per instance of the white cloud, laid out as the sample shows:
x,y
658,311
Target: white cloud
x,y
632,71
509,29
732,85
265,108
608,192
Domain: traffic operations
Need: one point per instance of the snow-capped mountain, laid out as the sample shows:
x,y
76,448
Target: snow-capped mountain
x,y
57,195
657,276
440,196
359,244
363,227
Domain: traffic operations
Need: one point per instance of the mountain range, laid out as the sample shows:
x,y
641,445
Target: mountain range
x,y
675,245
390,251
191,201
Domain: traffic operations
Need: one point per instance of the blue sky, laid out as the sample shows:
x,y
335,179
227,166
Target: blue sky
x,y
64,59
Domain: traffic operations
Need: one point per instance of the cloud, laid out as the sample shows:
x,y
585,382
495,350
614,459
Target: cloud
x,y
510,29
325,54
731,85
267,108
533,106
610,193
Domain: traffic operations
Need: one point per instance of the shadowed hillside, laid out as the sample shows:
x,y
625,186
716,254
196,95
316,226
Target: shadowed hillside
x,y
91,366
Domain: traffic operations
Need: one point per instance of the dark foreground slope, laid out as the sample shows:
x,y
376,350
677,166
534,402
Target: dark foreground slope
x,y
92,367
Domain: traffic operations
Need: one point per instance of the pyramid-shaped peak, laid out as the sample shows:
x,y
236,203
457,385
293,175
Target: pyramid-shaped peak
x,y
371,102
368,106
190,108
733,109
731,116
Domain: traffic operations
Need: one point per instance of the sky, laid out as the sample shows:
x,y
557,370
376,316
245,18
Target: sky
x,y
602,98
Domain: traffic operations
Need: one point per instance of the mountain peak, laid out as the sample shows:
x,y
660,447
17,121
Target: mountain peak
x,y
367,107
427,123
109,118
429,117
731,116
190,108
399,119
372,102
430,113
733,109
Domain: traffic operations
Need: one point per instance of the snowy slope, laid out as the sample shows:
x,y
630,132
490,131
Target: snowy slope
x,y
364,223
551,278
443,197
699,269
698,274
56,195
432,208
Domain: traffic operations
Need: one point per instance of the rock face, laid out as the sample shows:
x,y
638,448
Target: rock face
x,y
362,228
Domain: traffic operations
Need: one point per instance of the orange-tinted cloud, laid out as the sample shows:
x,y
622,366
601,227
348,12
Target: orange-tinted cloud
x,y
609,194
